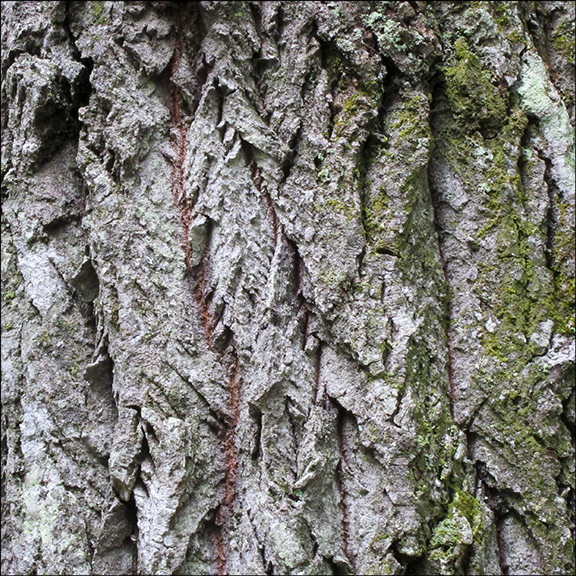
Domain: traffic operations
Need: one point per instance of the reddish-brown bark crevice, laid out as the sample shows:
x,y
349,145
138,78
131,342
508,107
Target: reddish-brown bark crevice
x,y
203,295
231,452
226,508
201,272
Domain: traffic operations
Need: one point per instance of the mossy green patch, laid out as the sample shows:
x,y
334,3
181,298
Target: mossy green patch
x,y
376,216
563,40
412,120
453,535
97,9
474,100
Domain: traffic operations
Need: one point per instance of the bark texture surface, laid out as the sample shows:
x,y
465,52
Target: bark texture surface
x,y
287,287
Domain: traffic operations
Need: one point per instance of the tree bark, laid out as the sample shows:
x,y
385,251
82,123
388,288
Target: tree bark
x,y
287,287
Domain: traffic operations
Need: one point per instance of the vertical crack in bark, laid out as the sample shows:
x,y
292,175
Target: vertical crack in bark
x,y
501,544
435,202
551,215
203,297
225,510
322,398
202,293
260,183
298,292
498,504
399,399
132,517
319,392
365,157
341,470
220,550
448,303
178,124
470,445
256,414
290,158
553,193
83,90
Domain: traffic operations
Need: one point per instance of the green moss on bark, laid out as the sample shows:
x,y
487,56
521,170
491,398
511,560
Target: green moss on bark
x,y
474,100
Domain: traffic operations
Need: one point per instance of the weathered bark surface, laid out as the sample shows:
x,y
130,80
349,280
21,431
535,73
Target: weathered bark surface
x,y
287,288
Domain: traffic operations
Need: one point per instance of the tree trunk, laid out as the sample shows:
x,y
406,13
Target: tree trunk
x,y
288,287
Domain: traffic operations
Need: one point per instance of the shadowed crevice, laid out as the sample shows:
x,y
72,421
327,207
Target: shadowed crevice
x,y
437,210
344,420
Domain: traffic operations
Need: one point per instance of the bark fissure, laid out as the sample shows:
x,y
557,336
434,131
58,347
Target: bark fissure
x,y
501,543
203,295
448,319
396,411
303,305
290,158
342,472
261,186
181,144
257,449
286,287
551,215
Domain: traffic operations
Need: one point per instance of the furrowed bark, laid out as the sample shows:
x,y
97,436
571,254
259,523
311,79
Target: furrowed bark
x,y
287,287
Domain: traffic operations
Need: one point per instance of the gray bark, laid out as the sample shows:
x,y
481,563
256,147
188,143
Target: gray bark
x,y
287,287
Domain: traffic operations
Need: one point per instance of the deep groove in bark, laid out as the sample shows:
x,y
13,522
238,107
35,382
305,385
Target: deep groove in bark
x,y
178,124
225,509
435,202
132,517
220,550
256,414
497,500
84,87
413,565
399,398
202,292
551,214
501,545
268,566
203,295
365,158
290,158
341,471
336,567
319,392
298,291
